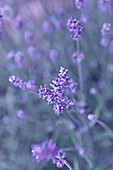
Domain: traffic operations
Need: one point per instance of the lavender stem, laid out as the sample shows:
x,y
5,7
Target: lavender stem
x,y
68,166
79,69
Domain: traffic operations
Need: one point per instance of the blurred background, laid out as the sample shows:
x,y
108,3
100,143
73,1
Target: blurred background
x,y
38,29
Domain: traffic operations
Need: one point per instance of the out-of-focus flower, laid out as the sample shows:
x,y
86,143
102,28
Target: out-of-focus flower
x,y
84,18
53,54
6,119
105,32
56,94
79,149
81,107
21,114
48,150
104,5
28,36
59,24
104,42
31,85
32,51
1,25
93,91
80,3
47,27
73,86
92,117
75,25
19,58
19,22
81,57
105,29
10,55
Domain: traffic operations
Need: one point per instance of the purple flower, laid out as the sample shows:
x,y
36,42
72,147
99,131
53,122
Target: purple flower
x,y
59,24
73,86
32,51
104,5
6,119
19,58
104,42
75,26
80,3
81,107
28,35
92,117
10,55
48,150
81,57
31,85
84,18
105,32
47,27
1,24
19,22
93,91
105,29
79,149
53,54
21,114
55,94
16,81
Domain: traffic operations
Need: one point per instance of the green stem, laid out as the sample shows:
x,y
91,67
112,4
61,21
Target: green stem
x,y
79,69
68,166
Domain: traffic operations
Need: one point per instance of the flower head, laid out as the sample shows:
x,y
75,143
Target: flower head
x,y
19,58
105,29
81,57
75,25
55,94
31,85
80,3
104,5
19,22
48,150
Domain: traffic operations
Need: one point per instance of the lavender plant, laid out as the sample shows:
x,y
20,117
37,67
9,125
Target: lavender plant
x,y
38,39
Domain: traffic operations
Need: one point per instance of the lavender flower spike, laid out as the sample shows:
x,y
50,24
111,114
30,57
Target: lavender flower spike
x,y
48,150
55,94
80,3
75,25
105,29
16,81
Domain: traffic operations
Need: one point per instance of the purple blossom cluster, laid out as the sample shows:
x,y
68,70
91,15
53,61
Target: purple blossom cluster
x,y
48,150
104,5
80,3
76,59
28,35
81,108
55,95
105,33
19,22
75,25
73,86
1,25
47,27
18,57
16,81
53,54
21,114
